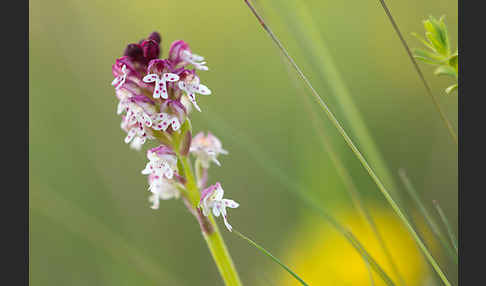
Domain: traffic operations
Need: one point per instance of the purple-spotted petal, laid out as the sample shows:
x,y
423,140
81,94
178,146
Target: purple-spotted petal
x,y
230,203
171,77
130,135
150,78
175,124
208,192
204,90
192,98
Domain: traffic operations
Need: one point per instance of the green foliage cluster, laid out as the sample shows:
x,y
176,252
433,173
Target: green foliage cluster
x,y
439,53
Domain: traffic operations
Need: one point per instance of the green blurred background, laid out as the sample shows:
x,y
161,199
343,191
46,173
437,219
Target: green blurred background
x,y
90,221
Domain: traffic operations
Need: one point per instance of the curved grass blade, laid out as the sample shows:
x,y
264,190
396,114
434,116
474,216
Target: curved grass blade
x,y
442,114
447,224
267,253
428,217
262,159
355,150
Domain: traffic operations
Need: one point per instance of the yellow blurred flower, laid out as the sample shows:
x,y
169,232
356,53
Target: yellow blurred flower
x,y
322,256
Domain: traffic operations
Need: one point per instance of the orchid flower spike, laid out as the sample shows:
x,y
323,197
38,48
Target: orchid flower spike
x,y
155,96
212,199
206,148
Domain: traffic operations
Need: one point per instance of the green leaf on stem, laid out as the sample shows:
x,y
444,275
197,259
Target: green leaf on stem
x,y
446,70
451,88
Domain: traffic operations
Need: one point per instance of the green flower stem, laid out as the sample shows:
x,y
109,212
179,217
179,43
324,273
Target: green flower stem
x,y
220,254
191,185
208,225
210,230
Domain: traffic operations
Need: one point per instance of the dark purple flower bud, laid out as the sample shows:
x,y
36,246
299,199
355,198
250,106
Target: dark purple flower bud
x,y
151,50
155,36
135,52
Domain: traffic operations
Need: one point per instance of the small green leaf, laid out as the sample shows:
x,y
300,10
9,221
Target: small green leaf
x,y
451,88
428,57
179,136
454,61
435,41
428,25
443,29
427,44
186,126
440,33
436,33
185,143
446,70
180,168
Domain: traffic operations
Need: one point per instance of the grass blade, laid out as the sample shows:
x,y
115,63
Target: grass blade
x,y
353,147
428,217
267,253
447,224
442,114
